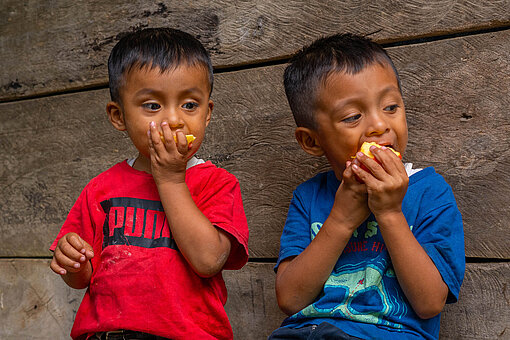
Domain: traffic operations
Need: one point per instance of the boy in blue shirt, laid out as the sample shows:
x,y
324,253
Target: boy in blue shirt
x,y
372,249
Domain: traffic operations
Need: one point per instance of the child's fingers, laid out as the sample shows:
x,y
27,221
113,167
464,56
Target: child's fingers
x,y
348,174
182,142
65,261
351,178
73,247
77,243
154,137
370,165
89,252
82,246
363,176
56,268
167,133
152,152
177,140
391,163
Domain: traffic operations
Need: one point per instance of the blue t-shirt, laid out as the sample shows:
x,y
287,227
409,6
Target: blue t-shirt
x,y
362,295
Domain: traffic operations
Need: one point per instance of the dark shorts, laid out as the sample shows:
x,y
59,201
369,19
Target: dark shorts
x,y
323,331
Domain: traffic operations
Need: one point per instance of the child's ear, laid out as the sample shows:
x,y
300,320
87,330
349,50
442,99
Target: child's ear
x,y
308,141
209,111
116,116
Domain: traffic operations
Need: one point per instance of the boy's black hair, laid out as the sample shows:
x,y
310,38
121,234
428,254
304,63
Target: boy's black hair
x,y
311,66
165,48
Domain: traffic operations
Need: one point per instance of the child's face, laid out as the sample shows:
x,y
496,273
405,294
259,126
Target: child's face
x,y
364,107
179,96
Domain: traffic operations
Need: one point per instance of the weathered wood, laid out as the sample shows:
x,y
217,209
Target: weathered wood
x,y
457,101
251,305
50,46
457,104
36,304
483,309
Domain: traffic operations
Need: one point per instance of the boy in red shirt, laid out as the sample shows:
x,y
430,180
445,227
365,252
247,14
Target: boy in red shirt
x,y
149,237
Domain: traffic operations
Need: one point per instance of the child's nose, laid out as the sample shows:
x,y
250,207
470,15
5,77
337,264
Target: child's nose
x,y
378,124
174,119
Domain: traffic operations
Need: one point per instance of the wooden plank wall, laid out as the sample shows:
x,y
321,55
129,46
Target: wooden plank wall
x,y
454,61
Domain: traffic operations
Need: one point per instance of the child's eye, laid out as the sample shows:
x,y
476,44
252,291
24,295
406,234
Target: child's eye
x,y
190,105
391,108
151,106
352,119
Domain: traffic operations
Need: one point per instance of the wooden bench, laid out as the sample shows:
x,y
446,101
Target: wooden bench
x,y
54,135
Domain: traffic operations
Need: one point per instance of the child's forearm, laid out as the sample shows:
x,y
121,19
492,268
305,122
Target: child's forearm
x,y
81,279
416,273
300,280
205,247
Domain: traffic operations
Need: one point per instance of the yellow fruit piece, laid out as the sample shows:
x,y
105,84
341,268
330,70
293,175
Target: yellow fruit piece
x,y
365,148
189,138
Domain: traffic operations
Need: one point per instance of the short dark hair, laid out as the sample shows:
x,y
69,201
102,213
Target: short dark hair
x,y
165,48
314,63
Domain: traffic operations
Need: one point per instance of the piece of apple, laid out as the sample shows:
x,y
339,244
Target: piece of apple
x,y
189,138
365,148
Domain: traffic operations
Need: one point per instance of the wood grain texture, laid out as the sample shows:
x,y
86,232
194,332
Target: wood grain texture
x,y
36,304
457,104
483,309
251,306
457,100
50,46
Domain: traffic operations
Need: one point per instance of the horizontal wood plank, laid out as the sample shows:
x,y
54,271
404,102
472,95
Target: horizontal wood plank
x,y
50,45
36,304
457,104
483,309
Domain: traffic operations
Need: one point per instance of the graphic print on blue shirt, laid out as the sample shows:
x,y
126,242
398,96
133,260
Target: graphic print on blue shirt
x,y
136,222
359,287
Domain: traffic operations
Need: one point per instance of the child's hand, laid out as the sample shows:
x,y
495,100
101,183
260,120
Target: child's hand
x,y
168,158
71,254
386,183
351,198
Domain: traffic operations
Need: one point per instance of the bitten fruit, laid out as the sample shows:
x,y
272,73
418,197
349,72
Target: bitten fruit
x,y
365,148
189,138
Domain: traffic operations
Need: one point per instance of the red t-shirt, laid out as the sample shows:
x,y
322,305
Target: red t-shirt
x,y
140,280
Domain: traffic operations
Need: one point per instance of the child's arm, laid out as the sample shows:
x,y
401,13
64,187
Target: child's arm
x,y
300,279
71,259
416,273
205,247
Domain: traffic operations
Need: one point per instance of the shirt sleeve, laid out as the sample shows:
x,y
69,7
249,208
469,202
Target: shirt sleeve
x,y
440,233
296,232
78,221
221,202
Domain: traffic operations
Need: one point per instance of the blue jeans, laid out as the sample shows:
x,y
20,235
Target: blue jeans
x,y
323,331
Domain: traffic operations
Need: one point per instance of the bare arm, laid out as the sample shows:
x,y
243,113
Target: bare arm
x,y
416,273
300,279
205,247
